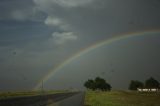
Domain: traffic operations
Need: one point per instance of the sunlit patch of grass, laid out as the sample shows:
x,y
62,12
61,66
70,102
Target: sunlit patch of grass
x,y
121,98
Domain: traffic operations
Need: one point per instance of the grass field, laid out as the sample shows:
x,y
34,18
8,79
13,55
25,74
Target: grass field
x,y
121,98
4,95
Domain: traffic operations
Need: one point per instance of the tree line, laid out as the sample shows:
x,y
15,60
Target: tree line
x,y
100,84
149,84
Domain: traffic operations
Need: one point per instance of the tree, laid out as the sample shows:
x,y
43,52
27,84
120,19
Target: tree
x,y
97,84
134,84
90,84
101,84
151,83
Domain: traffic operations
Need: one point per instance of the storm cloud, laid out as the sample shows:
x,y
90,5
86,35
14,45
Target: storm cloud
x,y
38,35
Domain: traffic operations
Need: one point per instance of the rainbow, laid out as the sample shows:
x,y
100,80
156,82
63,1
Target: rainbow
x,y
91,48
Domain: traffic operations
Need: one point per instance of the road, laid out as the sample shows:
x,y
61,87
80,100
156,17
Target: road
x,y
61,99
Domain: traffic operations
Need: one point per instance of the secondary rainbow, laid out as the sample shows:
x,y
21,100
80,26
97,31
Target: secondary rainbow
x,y
93,47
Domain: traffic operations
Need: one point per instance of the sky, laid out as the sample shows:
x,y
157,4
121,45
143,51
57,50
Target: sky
x,y
37,36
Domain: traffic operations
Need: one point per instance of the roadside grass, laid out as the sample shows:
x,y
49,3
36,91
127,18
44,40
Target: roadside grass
x,y
4,95
121,98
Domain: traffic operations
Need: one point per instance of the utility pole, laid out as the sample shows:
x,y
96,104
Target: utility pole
x,y
42,88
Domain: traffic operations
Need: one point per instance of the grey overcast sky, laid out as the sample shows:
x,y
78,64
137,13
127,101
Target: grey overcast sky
x,y
38,35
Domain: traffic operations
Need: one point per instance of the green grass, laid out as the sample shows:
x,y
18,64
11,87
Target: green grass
x,y
121,98
4,95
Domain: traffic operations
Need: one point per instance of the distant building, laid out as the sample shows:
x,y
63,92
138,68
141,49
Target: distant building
x,y
147,90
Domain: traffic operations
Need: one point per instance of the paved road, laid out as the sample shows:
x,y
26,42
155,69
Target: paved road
x,y
75,100
62,99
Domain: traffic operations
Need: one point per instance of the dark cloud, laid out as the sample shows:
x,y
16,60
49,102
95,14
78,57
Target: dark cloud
x,y
38,35
103,17
19,10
